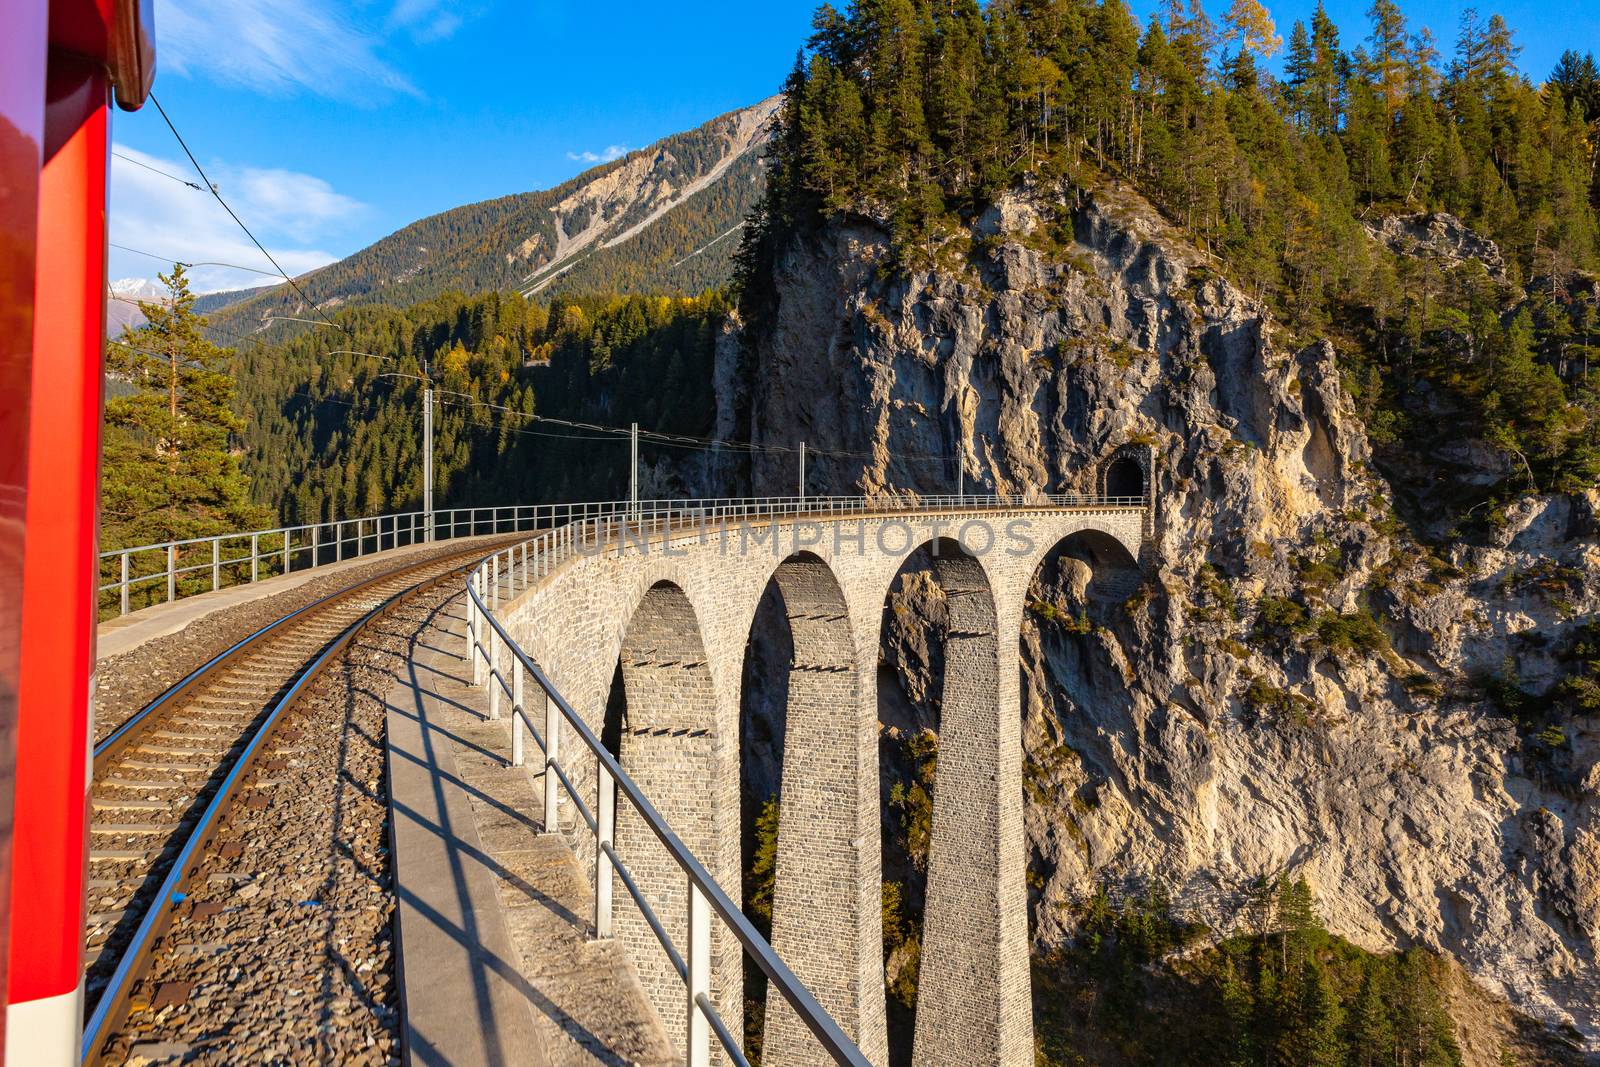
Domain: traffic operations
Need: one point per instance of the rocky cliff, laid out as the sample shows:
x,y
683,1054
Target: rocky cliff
x,y
1287,680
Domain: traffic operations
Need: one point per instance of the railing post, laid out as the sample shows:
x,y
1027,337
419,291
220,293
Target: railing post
x,y
477,635
360,535
124,583
472,630
172,573
316,544
494,673
494,580
518,711
698,1042
605,834
338,541
286,535
255,557
216,564
552,753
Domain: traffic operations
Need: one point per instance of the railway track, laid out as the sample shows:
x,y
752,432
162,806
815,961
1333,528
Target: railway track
x,y
164,779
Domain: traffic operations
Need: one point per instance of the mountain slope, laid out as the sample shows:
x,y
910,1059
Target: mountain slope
x,y
663,218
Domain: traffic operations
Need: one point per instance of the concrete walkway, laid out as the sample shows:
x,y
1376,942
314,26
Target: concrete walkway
x,y
494,916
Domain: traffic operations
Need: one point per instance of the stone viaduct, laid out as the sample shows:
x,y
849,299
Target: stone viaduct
x,y
670,616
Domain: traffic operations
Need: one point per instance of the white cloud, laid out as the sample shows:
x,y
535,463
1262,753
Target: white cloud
x,y
300,206
424,20
610,152
292,213
280,47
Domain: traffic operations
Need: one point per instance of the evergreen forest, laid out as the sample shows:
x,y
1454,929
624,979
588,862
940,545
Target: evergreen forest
x,y
918,114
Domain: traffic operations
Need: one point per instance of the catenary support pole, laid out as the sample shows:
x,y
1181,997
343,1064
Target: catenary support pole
x,y
633,471
427,465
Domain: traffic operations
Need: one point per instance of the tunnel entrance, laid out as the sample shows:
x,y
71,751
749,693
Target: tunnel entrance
x,y
1125,477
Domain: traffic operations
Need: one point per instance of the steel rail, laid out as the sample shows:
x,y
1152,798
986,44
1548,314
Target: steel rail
x,y
112,1004
113,743
277,545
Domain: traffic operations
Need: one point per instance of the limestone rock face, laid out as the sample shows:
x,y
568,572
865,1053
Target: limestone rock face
x,y
1171,733
1441,235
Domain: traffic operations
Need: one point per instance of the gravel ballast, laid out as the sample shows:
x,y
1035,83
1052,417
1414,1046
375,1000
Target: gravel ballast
x,y
283,952
128,682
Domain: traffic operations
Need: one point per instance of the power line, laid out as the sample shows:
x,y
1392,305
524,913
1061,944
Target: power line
x,y
111,294
212,187
699,442
684,441
469,422
188,263
158,170
447,400
677,439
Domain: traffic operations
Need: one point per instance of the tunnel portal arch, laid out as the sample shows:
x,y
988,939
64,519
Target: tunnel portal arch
x,y
1128,472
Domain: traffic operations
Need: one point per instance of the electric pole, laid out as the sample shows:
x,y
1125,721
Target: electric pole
x,y
427,462
633,470
426,378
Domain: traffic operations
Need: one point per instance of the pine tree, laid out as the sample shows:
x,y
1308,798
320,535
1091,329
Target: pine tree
x,y
1577,79
169,469
1329,74
1299,66
1314,1038
1424,1031
1371,1029
1387,66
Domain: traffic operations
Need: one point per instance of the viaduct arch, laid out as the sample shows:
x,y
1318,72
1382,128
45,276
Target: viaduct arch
x,y
666,621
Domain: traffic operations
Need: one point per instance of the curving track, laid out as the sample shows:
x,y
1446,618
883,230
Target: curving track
x,y
163,780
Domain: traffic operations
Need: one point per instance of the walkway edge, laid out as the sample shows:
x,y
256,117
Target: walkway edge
x,y
457,968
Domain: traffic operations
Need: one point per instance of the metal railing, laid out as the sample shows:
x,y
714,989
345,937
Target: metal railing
x,y
172,570
575,529
167,571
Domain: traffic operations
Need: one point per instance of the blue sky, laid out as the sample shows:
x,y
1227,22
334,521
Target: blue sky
x,y
329,124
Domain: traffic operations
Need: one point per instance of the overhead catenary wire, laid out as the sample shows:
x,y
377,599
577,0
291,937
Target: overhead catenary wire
x,y
194,263
597,431
158,170
687,441
233,215
469,422
208,328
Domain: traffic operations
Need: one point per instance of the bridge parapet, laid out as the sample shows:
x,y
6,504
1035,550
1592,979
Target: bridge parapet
x,y
655,601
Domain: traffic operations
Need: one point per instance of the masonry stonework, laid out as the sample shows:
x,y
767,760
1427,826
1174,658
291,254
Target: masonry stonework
x,y
639,607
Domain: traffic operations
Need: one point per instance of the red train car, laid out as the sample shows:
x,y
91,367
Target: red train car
x,y
61,64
